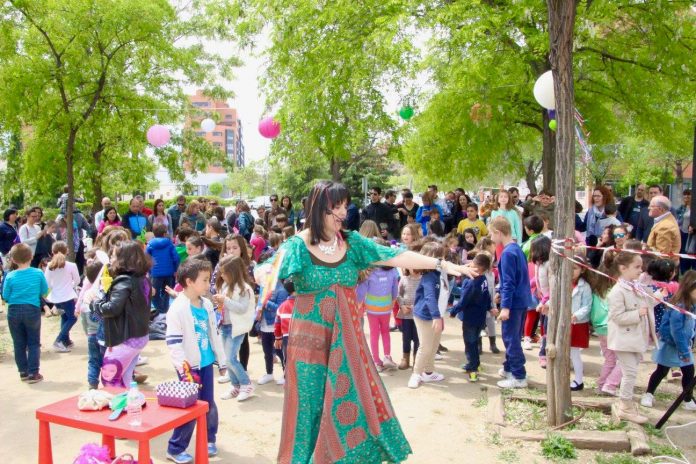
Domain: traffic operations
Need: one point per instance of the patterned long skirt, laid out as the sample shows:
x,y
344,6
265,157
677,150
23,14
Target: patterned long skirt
x,y
336,408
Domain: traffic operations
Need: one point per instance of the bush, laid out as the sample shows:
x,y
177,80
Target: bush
x,y
555,446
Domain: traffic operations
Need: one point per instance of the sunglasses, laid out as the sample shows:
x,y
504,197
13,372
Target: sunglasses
x,y
274,199
619,235
374,193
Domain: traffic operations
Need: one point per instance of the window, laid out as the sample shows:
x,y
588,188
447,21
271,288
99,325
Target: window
x,y
200,104
217,144
228,116
217,134
200,133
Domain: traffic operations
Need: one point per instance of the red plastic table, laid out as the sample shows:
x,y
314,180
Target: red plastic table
x,y
156,421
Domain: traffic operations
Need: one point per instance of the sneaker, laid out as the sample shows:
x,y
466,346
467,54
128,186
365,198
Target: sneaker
x,y
513,383
265,379
233,393
245,392
212,450
526,343
473,377
689,405
181,458
442,348
35,378
389,363
504,374
607,390
574,386
542,362
57,311
58,347
432,377
142,360
536,339
393,328
23,376
647,400
414,381
379,367
280,381
223,379
439,357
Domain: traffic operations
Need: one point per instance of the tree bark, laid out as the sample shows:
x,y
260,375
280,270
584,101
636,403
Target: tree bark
x,y
69,153
678,182
548,159
335,170
97,183
561,23
530,176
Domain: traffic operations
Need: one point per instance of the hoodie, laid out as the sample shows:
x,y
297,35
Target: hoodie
x,y
165,259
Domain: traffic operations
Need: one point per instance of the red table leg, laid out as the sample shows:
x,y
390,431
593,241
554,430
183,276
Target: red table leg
x,y
144,452
45,449
108,441
201,440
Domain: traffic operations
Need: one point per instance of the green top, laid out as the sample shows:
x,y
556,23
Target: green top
x,y
312,275
599,314
526,246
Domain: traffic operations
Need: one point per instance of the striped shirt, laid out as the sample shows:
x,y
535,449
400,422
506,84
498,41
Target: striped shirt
x,y
24,286
382,290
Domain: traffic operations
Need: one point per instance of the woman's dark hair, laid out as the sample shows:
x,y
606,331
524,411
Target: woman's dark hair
x,y
325,195
611,243
687,284
8,212
219,213
107,210
92,270
473,233
131,259
540,250
437,229
289,286
154,207
190,269
661,270
196,241
289,208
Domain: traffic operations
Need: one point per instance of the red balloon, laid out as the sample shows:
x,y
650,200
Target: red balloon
x,y
269,127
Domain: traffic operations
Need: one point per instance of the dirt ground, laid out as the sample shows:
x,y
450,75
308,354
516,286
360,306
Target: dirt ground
x,y
444,422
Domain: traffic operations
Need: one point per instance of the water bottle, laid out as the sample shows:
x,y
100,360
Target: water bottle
x,y
134,405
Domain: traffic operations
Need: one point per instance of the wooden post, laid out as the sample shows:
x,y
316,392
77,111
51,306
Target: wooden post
x,y
561,23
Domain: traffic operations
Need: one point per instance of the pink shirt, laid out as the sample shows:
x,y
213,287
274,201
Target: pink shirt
x,y
258,243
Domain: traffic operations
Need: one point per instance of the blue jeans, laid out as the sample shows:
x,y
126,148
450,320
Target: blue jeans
x,y
472,335
94,360
182,434
514,356
235,370
67,321
160,299
24,322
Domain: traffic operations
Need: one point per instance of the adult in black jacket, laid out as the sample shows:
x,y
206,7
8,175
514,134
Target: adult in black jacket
x,y
379,212
632,206
125,311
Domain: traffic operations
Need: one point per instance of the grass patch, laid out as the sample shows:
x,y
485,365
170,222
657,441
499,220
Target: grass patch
x,y
525,415
622,458
662,449
666,397
558,448
494,439
508,456
482,402
535,392
653,432
595,420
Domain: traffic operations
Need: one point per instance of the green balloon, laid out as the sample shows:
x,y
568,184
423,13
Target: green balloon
x,y
553,125
406,112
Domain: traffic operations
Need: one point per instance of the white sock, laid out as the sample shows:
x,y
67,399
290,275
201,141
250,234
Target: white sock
x,y
576,359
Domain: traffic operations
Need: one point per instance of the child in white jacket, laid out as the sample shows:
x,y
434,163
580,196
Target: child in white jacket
x,y
194,345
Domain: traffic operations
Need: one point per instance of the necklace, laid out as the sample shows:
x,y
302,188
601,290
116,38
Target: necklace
x,y
329,249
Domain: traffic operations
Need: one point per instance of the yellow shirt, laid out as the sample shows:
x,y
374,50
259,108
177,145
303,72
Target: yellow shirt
x,y
477,225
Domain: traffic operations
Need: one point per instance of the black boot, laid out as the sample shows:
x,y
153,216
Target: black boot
x,y
494,349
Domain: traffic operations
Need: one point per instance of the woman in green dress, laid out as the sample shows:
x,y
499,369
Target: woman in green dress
x,y
336,408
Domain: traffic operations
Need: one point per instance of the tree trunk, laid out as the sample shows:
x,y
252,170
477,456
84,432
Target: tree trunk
x,y
530,176
678,182
335,170
69,152
97,184
548,160
561,23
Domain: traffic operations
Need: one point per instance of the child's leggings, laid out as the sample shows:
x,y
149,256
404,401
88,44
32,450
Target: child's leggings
x,y
660,373
379,325
611,372
530,323
576,359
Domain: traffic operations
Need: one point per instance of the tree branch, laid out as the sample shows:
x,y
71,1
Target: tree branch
x,y
533,125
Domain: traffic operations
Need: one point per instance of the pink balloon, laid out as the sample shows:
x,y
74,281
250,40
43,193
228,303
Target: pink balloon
x,y
158,135
269,127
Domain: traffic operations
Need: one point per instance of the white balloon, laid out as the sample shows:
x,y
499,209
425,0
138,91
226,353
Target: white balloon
x,y
543,91
208,125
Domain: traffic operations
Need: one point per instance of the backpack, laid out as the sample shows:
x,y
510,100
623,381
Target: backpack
x,y
245,223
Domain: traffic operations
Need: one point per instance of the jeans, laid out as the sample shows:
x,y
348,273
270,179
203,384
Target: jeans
x,y
514,356
472,335
379,326
409,334
267,341
160,300
182,434
94,360
67,321
235,370
24,322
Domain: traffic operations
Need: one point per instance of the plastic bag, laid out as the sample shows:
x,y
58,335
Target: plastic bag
x,y
93,400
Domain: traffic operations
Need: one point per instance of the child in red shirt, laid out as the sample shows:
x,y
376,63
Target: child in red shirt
x,y
282,322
